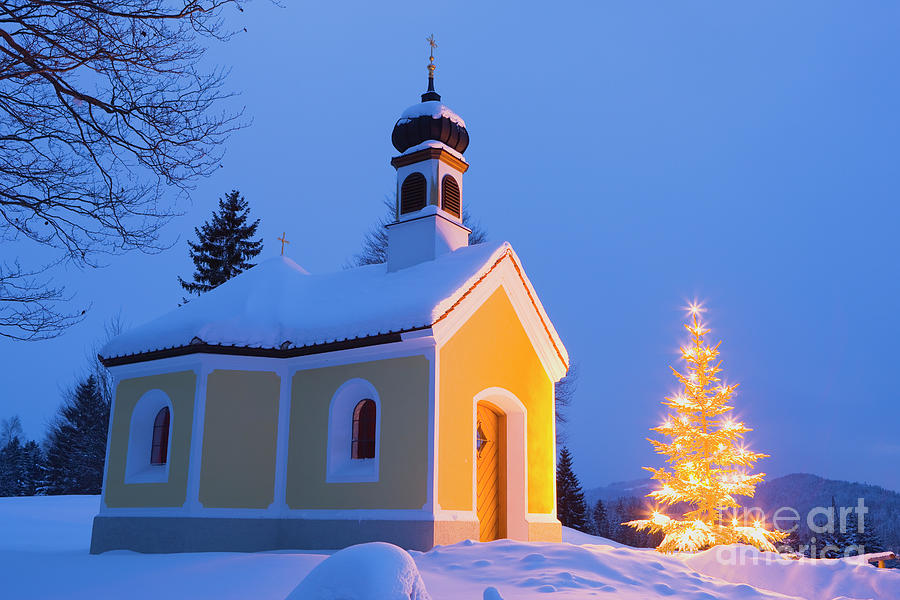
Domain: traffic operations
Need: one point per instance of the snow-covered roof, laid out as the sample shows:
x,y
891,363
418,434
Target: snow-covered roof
x,y
278,305
433,109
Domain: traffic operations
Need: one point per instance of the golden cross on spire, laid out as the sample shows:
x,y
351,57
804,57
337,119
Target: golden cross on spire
x,y
433,44
283,241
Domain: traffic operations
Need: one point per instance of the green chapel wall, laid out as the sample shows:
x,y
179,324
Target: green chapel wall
x,y
403,390
180,387
240,436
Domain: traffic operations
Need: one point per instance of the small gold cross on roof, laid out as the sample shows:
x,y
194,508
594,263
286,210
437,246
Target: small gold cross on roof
x,y
283,241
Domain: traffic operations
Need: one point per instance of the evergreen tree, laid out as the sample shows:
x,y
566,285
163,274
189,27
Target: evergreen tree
x,y
601,521
570,506
33,470
865,541
76,444
791,543
21,468
833,540
224,246
10,461
709,463
616,531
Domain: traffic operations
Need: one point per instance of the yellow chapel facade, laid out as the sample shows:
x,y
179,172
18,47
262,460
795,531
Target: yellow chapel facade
x,y
410,402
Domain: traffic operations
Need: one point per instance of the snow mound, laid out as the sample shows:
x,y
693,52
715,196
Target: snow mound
x,y
820,579
375,571
491,593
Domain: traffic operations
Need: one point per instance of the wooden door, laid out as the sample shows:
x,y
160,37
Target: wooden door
x,y
489,447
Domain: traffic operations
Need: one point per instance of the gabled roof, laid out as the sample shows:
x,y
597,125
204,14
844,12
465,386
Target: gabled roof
x,y
278,309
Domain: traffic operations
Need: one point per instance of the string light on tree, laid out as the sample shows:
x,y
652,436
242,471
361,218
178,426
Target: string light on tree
x,y
709,462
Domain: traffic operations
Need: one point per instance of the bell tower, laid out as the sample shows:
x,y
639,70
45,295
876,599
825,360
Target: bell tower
x,y
431,140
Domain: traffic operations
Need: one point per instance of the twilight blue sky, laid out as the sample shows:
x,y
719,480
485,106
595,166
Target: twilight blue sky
x,y
636,155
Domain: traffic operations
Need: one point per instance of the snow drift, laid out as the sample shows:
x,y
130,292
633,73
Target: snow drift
x,y
363,572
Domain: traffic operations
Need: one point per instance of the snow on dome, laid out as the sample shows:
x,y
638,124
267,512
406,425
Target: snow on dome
x,y
431,108
375,570
277,304
436,144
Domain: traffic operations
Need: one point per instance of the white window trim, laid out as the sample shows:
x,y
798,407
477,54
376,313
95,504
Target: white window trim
x,y
140,439
341,468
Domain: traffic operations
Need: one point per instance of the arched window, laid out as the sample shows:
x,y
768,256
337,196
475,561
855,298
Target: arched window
x,y
450,195
159,451
412,193
363,444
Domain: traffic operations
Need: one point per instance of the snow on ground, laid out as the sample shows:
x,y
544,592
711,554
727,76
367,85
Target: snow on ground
x,y
44,554
805,577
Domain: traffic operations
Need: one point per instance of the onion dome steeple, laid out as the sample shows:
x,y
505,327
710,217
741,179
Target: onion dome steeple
x,y
431,139
430,120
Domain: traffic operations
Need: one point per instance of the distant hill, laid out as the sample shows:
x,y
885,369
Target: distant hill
x,y
800,491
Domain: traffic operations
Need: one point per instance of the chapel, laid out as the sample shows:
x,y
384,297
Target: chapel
x,y
410,402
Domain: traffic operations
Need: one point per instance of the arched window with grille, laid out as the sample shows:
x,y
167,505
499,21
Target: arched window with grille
x,y
159,450
363,444
412,193
450,195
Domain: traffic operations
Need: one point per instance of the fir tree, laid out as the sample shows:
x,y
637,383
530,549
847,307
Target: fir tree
x,y
570,506
836,539
792,543
10,460
865,541
224,246
709,463
76,444
21,468
32,469
601,520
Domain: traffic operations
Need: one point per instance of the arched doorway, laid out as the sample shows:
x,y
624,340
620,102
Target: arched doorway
x,y
502,464
490,451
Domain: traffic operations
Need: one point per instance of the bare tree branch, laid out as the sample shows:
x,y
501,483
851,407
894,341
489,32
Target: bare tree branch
x,y
106,122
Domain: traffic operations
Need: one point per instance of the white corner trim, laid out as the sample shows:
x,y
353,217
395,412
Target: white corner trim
x,y
192,497
341,468
433,392
140,439
282,441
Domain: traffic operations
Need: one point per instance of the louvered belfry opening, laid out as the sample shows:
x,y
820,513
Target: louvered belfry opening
x,y
450,195
412,193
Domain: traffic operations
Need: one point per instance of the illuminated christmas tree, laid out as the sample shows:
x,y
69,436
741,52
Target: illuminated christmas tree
x,y
709,465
